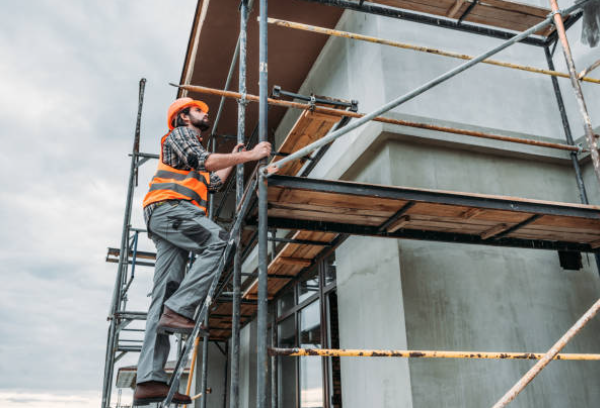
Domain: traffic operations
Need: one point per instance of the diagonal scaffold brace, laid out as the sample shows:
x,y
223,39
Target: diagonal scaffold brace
x,y
273,168
202,311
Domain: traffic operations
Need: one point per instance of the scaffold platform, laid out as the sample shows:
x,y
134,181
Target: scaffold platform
x,y
435,215
497,13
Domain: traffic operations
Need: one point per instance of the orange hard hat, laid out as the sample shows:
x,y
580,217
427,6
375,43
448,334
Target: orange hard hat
x,y
181,104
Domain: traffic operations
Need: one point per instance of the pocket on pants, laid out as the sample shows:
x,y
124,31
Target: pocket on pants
x,y
190,228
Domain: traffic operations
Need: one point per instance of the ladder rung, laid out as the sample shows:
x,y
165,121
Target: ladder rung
x,y
125,314
129,348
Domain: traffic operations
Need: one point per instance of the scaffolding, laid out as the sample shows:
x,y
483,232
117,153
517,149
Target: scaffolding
x,y
402,212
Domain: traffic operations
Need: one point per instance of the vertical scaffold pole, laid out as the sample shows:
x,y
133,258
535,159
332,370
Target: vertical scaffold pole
x,y
587,123
566,127
239,191
211,198
225,372
568,135
274,359
113,335
204,384
261,345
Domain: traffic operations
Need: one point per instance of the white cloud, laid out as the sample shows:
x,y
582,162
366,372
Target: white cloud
x,y
46,400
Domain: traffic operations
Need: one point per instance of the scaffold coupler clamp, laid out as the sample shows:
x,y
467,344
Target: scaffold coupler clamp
x,y
312,103
554,12
276,93
243,100
580,147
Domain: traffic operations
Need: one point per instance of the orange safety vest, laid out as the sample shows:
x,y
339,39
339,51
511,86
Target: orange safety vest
x,y
170,183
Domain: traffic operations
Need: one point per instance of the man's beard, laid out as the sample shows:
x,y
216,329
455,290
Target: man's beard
x,y
201,124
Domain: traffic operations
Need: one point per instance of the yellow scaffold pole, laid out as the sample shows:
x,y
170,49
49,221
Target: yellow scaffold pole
x,y
339,112
192,367
429,50
477,355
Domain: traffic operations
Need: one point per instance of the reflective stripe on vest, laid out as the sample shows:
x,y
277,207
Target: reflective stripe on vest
x,y
170,183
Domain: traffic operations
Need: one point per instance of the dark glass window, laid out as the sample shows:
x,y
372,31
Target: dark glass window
x,y
307,318
286,301
287,365
333,341
329,270
311,368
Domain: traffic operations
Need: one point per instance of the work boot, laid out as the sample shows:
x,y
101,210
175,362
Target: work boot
x,y
171,322
155,391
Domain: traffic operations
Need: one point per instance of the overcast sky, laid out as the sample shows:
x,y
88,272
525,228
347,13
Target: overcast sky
x,y
69,73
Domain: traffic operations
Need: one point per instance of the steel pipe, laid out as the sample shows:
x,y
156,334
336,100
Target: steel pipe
x,y
225,371
429,50
227,83
589,69
339,112
262,360
549,356
475,355
239,190
113,334
418,91
567,128
422,18
204,382
587,123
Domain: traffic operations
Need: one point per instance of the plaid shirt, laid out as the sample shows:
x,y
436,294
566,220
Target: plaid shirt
x,y
182,150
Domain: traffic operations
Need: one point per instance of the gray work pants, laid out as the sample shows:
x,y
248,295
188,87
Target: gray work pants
x,y
177,227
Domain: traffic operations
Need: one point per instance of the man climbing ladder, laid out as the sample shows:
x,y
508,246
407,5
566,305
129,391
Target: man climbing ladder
x,y
175,215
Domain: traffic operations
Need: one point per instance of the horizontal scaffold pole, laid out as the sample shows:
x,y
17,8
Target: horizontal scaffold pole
x,y
273,168
340,112
429,50
477,355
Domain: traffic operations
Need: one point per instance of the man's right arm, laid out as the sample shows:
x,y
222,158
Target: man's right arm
x,y
220,161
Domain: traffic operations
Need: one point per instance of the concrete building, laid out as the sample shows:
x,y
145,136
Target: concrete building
x,y
378,293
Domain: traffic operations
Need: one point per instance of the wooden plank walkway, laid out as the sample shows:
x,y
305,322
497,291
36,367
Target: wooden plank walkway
x,y
309,127
344,207
497,13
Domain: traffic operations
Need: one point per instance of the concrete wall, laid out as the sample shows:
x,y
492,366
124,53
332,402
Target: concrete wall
x,y
466,297
371,314
437,296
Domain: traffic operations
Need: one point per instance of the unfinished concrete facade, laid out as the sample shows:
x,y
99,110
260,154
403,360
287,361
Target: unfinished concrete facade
x,y
401,294
385,293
